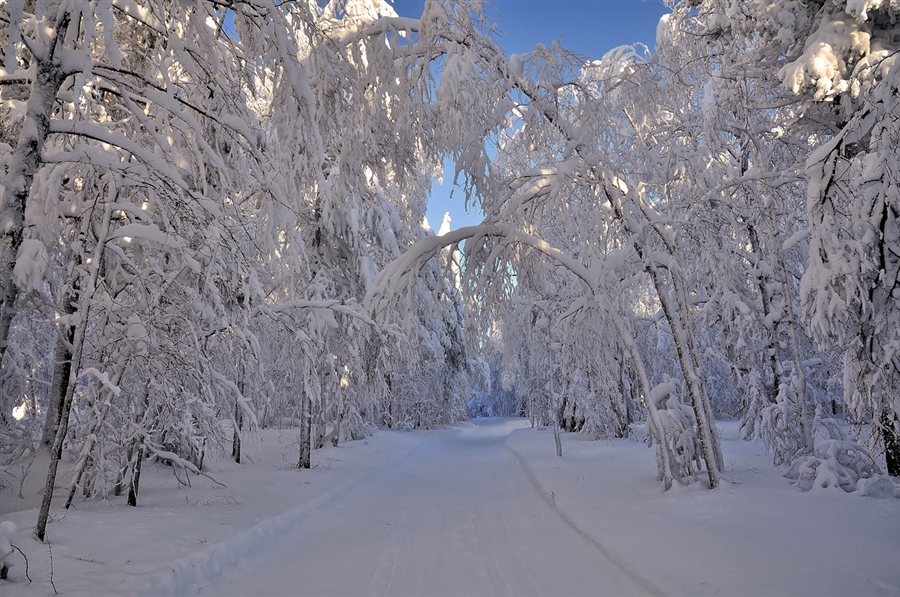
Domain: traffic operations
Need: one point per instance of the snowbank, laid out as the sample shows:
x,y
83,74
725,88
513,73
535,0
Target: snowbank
x,y
178,537
755,535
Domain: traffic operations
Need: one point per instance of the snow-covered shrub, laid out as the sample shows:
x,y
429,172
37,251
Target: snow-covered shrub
x,y
678,433
404,426
753,400
878,486
834,463
779,428
7,536
839,461
354,427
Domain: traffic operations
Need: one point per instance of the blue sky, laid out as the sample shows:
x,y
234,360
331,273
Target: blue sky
x,y
589,27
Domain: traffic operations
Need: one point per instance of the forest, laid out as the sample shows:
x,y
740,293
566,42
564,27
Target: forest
x,y
212,224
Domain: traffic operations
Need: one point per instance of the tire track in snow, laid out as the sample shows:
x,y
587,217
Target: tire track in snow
x,y
189,574
633,575
508,531
457,516
392,558
494,569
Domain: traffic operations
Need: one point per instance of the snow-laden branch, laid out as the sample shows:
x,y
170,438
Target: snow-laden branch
x,y
355,33
394,276
352,309
243,403
140,14
178,460
104,135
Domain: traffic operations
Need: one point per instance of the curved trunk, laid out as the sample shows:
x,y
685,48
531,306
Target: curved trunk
x,y
656,427
709,441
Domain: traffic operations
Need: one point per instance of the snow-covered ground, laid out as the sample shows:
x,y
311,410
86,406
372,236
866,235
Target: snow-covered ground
x,y
483,509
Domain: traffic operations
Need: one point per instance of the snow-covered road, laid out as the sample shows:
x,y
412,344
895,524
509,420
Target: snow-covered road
x,y
458,516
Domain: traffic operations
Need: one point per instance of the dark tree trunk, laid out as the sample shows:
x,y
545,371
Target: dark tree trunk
x,y
891,438
120,479
305,429
236,438
62,369
56,454
135,484
137,449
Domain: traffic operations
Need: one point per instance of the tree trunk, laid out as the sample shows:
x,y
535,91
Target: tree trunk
x,y
771,353
62,428
556,438
305,431
120,477
77,350
137,450
694,360
236,437
62,369
890,435
62,359
238,422
85,458
305,423
675,311
686,359
664,464
48,77
135,484
799,373
319,427
338,417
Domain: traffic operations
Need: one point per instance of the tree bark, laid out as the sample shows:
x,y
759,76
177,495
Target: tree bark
x,y
771,352
135,484
799,373
238,422
85,459
48,78
338,417
236,438
675,310
137,450
890,435
305,423
664,464
556,438
62,369
686,359
62,429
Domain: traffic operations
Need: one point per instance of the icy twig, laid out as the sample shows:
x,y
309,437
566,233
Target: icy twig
x,y
52,584
24,557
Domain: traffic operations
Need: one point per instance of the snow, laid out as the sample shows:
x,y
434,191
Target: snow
x,y
445,224
482,509
8,533
31,264
149,232
178,535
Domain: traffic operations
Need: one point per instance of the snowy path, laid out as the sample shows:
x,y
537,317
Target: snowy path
x,y
458,516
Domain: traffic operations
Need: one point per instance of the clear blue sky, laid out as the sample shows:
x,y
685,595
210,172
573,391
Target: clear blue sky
x,y
589,27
